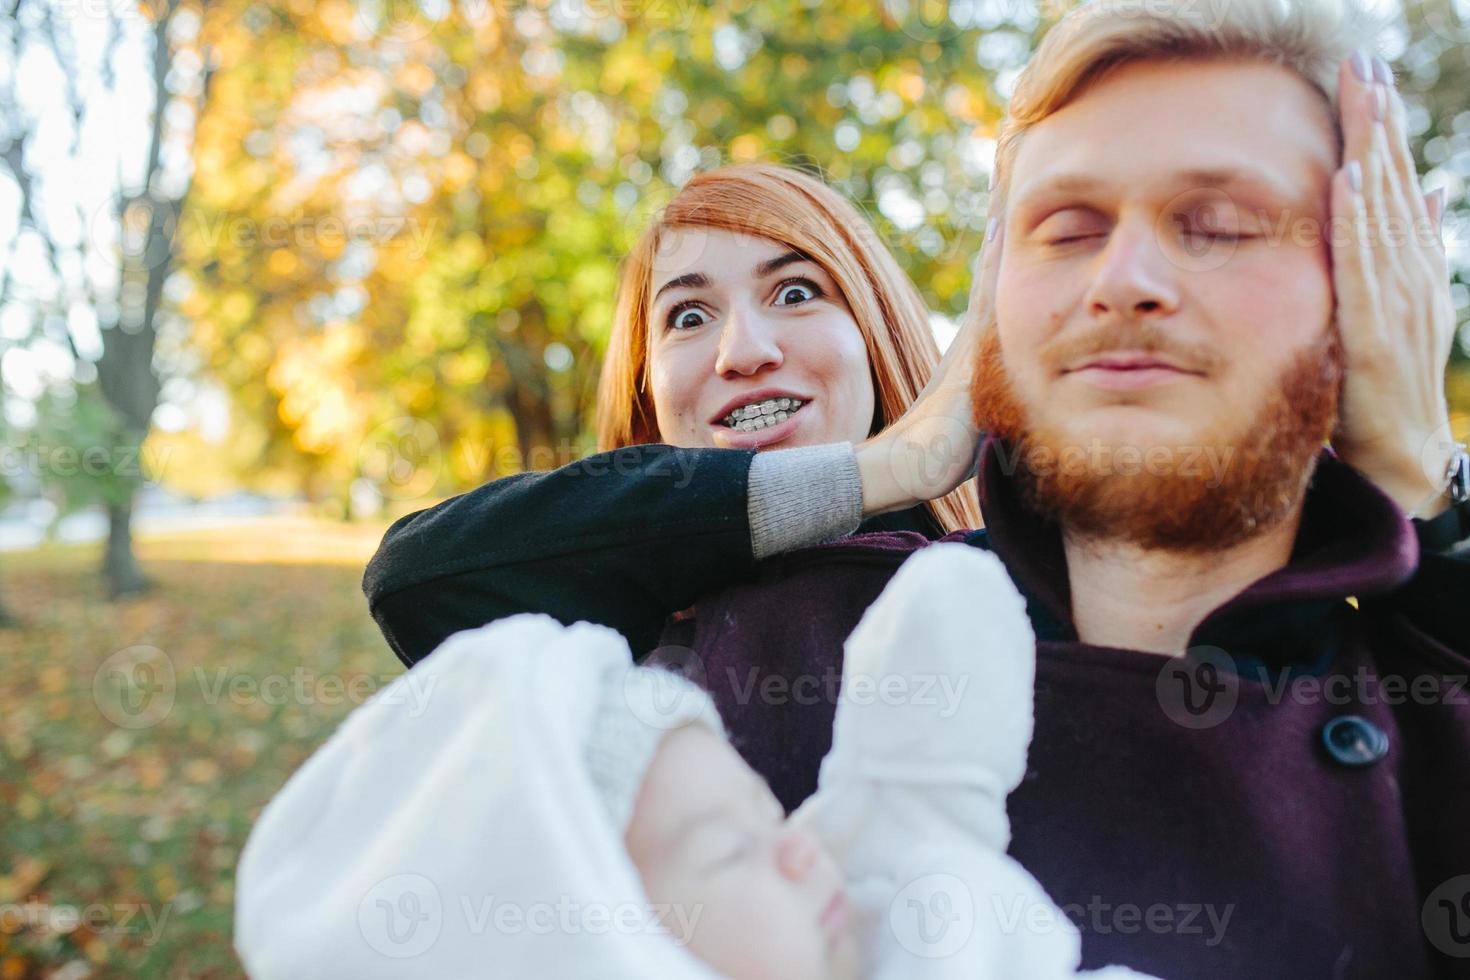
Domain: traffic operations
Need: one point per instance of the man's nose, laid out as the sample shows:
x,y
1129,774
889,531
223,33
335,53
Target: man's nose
x,y
748,344
1136,276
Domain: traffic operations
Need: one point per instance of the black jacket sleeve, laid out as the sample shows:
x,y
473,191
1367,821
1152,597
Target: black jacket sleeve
x,y
622,538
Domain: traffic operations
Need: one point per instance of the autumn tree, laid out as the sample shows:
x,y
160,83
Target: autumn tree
x,y
97,145
402,263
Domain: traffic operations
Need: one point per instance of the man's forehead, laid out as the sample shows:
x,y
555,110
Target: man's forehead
x,y
1246,181
1154,126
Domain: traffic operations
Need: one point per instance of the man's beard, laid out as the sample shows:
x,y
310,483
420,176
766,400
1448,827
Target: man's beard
x,y
1229,485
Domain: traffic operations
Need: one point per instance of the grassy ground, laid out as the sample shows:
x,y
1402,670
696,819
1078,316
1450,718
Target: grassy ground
x,y
139,740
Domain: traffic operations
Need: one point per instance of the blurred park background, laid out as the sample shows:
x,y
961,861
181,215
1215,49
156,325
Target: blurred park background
x,y
273,273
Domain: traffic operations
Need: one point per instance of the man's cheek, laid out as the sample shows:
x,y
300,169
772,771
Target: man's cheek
x,y
1019,288
1035,301
1276,300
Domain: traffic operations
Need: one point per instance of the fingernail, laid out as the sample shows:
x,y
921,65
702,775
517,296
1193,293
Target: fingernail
x,y
1436,198
1355,176
1360,66
990,229
1382,72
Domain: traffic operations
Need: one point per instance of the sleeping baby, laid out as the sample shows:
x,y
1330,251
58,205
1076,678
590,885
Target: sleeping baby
x,y
540,807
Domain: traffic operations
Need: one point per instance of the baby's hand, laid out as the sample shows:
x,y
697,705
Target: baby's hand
x,y
937,677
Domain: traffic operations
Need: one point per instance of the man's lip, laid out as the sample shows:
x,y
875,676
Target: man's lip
x,y
1124,361
751,397
1130,379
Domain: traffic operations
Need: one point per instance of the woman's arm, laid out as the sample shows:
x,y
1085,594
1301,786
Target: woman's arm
x,y
622,538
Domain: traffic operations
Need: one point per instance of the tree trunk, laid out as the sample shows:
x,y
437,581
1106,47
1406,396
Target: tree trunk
x,y
533,427
119,565
7,619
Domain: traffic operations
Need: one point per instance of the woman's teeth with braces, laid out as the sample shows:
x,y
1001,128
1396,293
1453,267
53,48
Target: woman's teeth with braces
x,y
753,418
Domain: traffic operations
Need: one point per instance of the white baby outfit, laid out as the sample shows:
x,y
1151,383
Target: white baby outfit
x,y
458,827
467,821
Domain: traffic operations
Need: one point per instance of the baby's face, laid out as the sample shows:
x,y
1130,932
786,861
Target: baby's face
x,y
762,900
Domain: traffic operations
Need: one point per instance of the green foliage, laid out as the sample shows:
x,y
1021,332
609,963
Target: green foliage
x,y
81,451
518,158
419,222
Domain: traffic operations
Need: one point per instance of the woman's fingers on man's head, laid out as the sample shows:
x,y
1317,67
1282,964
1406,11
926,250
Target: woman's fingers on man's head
x,y
1357,96
1374,121
982,290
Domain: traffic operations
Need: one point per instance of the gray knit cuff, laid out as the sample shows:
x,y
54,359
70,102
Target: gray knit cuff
x,y
802,497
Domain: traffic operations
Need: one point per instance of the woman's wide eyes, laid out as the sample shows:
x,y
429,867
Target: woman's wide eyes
x,y
791,293
686,317
689,315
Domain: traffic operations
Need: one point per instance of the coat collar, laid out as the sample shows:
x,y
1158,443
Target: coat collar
x,y
1353,541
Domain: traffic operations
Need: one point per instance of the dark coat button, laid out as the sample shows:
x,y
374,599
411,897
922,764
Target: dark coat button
x,y
1354,741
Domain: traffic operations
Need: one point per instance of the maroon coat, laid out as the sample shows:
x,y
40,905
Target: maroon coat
x,y
1293,800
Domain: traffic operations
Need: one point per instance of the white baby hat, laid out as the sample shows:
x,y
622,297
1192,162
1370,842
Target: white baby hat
x,y
457,826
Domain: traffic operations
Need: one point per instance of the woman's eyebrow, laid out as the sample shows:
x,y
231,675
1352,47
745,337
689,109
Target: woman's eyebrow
x,y
769,266
698,280
690,280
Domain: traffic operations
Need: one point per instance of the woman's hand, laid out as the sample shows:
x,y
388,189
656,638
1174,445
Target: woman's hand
x,y
934,447
1394,307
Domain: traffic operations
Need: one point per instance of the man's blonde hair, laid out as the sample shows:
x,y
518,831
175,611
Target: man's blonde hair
x,y
1309,37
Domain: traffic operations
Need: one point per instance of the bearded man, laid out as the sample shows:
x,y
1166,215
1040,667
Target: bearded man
x,y
1252,735
1252,748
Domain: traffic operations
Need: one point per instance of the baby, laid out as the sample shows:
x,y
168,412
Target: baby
x,y
554,811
